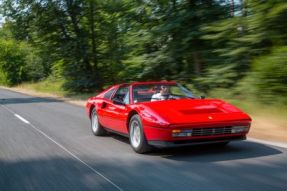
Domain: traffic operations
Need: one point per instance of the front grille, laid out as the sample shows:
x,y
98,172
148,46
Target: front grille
x,y
197,132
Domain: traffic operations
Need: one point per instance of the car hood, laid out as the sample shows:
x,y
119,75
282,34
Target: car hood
x,y
186,111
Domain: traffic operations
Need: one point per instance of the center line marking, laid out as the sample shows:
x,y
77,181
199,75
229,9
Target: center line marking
x,y
21,118
64,148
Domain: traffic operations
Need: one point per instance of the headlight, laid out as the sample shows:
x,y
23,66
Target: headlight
x,y
181,133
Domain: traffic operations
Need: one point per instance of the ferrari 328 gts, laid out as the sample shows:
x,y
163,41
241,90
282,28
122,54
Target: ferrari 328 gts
x,y
164,114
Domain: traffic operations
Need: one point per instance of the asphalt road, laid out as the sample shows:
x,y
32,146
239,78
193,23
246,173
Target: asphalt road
x,y
46,144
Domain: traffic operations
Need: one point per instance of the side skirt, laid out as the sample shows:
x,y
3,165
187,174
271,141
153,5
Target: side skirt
x,y
116,132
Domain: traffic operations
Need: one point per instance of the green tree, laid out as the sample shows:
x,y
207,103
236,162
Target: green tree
x,y
12,62
166,37
18,60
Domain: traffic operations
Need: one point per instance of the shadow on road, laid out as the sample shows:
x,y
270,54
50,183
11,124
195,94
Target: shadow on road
x,y
8,101
210,153
66,174
213,153
123,139
49,174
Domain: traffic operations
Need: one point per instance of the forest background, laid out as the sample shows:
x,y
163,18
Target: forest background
x,y
230,49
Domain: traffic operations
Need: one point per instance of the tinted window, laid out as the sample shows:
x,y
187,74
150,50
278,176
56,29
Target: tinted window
x,y
109,93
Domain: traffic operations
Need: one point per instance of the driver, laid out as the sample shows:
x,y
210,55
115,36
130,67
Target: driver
x,y
164,94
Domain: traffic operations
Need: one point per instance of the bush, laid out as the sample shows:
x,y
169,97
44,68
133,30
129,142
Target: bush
x,y
267,80
12,62
18,63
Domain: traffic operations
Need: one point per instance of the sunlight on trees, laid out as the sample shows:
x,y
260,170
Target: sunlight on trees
x,y
235,46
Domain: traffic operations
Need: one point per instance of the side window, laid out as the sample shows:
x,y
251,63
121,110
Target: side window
x,y
109,93
122,94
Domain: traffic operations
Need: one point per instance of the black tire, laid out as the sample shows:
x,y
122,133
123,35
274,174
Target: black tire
x,y
96,127
136,135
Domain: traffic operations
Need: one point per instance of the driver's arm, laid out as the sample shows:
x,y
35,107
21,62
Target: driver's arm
x,y
154,97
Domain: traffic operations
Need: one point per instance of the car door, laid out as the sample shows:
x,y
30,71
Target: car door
x,y
102,107
115,112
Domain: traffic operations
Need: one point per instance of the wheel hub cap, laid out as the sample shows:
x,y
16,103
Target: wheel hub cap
x,y
135,134
95,123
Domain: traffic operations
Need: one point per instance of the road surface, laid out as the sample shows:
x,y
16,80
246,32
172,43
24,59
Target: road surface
x,y
46,144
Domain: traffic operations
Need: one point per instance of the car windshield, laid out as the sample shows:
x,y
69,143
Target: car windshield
x,y
160,91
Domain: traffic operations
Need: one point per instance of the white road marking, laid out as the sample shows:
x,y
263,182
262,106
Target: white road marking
x,y
277,144
21,118
64,148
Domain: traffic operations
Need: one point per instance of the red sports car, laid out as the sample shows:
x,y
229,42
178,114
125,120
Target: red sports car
x,y
163,114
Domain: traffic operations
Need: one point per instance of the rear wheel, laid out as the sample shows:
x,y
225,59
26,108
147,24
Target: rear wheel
x,y
136,135
96,127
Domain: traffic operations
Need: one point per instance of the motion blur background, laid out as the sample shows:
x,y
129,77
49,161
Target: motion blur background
x,y
232,49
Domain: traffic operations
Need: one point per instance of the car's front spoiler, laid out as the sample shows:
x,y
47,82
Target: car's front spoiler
x,y
160,144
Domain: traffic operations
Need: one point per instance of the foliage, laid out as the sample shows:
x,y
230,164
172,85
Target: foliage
x,y
215,45
253,43
169,39
267,80
18,60
12,62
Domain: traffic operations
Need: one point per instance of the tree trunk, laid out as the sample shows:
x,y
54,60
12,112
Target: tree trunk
x,y
93,33
232,8
81,50
197,63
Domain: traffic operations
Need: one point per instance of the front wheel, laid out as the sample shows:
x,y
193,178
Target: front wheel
x,y
136,135
96,127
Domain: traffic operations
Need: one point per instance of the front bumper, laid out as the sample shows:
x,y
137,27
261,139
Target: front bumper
x,y
180,143
163,136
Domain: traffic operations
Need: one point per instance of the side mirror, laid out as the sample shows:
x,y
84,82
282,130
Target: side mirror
x,y
118,102
202,97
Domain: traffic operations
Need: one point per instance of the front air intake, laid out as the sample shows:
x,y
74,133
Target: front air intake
x,y
197,132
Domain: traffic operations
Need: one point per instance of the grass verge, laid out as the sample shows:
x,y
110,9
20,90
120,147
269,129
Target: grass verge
x,y
54,88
